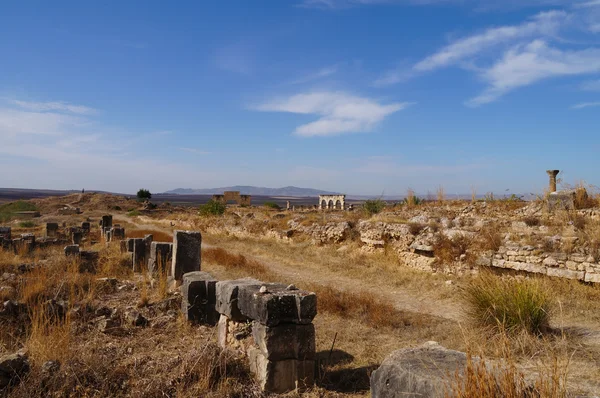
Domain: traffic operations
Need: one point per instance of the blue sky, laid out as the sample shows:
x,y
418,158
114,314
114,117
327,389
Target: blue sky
x,y
356,96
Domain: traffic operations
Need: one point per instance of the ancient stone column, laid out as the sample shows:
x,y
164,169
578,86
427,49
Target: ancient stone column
x,y
552,174
186,253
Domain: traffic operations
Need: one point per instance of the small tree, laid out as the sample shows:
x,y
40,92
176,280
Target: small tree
x,y
272,205
144,194
373,206
212,208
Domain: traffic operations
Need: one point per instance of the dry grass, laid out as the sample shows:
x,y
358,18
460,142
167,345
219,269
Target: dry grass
x,y
489,238
448,250
157,236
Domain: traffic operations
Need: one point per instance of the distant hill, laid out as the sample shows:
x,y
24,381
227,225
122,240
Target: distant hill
x,y
249,190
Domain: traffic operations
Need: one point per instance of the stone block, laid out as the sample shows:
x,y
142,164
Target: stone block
x,y
186,253
89,261
72,250
51,229
592,277
565,273
278,304
5,233
123,246
285,341
139,254
130,244
160,255
199,298
227,297
76,237
279,377
117,234
85,226
106,222
236,335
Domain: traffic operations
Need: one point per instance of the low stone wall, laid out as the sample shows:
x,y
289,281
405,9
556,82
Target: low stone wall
x,y
529,259
269,323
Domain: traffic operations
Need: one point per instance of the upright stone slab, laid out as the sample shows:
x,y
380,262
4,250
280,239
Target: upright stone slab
x,y
5,233
107,221
85,227
139,254
117,233
199,298
277,304
51,229
76,237
89,261
227,297
160,255
186,253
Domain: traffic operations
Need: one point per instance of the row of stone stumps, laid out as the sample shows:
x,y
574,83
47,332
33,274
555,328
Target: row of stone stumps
x,y
270,323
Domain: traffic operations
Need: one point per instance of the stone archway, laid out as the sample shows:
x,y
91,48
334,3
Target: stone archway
x,y
332,202
338,205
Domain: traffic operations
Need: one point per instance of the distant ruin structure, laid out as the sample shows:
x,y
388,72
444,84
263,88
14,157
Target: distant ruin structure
x,y
552,174
331,202
242,200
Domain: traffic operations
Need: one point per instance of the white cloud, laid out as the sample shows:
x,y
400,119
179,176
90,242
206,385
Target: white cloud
x,y
338,112
525,65
585,105
54,106
592,3
16,122
543,24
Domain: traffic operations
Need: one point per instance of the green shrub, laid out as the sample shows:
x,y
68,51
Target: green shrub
x,y
133,213
8,210
144,194
212,208
373,206
272,205
508,305
27,224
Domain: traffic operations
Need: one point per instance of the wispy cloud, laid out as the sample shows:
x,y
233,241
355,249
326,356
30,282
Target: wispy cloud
x,y
320,74
194,150
585,105
543,24
338,112
54,106
586,4
591,85
525,65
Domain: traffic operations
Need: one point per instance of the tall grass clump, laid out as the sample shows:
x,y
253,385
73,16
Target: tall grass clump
x,y
8,210
373,206
272,205
508,305
212,208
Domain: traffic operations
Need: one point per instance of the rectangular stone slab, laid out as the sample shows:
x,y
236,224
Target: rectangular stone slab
x,y
285,341
227,297
198,298
278,305
281,376
160,252
186,253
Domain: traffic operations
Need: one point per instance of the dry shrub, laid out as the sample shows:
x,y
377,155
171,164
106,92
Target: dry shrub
x,y
113,263
448,250
49,334
508,305
579,221
163,278
506,381
157,236
236,262
490,238
415,228
362,306
441,194
582,199
531,221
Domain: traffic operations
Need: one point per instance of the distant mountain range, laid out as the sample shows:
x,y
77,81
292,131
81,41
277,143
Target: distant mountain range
x,y
250,190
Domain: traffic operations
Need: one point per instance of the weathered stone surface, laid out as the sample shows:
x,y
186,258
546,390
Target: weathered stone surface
x,y
277,304
160,257
186,253
5,232
199,298
12,369
286,341
236,335
117,233
106,222
565,273
417,372
85,226
281,376
51,229
89,261
139,253
592,277
72,250
227,297
76,237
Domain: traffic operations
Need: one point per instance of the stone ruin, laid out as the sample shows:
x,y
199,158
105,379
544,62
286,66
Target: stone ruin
x,y
269,323
561,200
242,200
69,211
331,202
